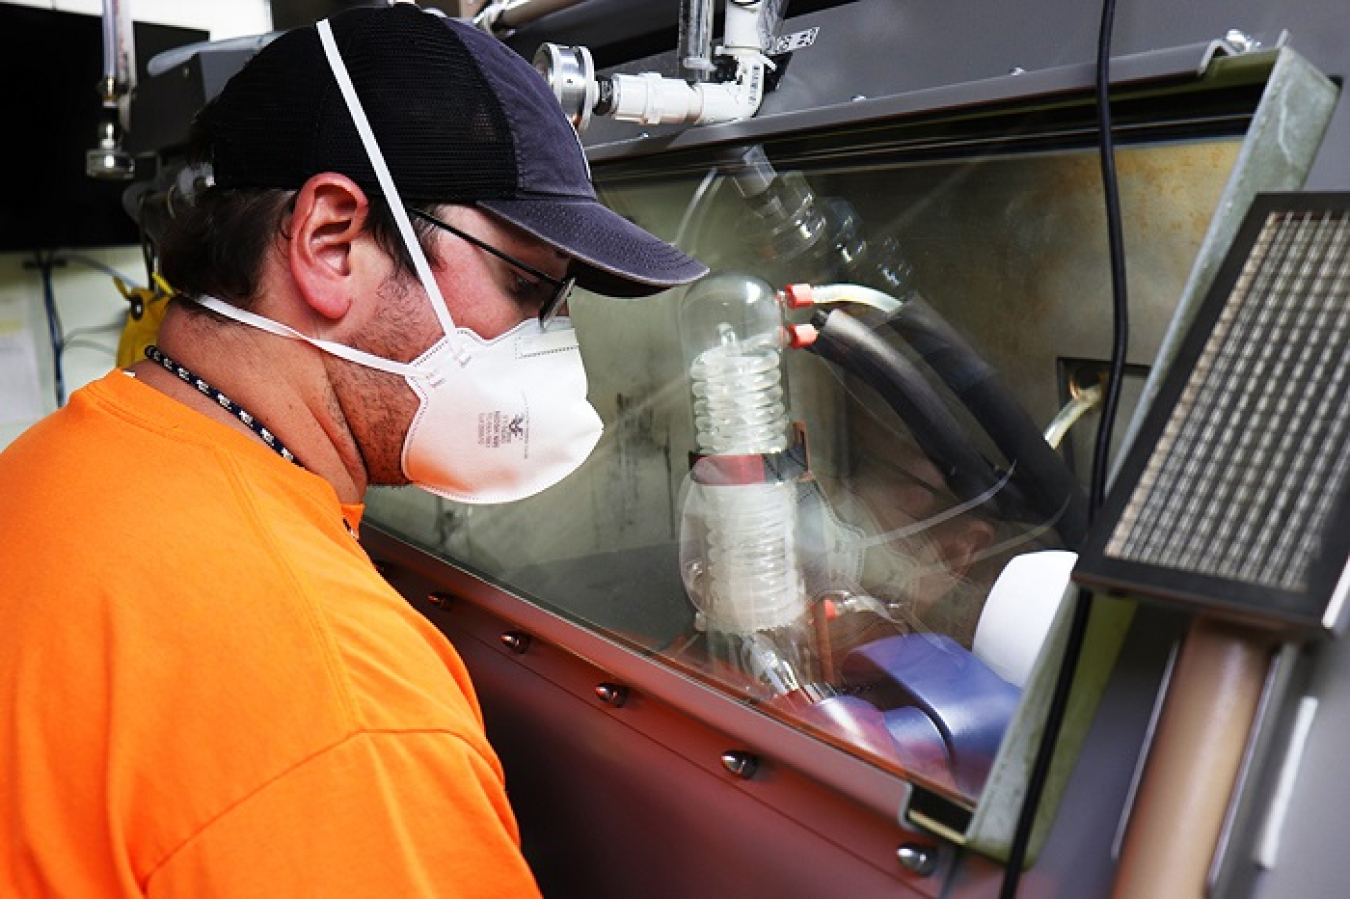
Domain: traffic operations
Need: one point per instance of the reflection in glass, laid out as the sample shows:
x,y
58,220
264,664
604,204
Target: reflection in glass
x,y
865,545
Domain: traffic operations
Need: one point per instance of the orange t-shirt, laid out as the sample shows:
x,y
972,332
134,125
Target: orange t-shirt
x,y
207,690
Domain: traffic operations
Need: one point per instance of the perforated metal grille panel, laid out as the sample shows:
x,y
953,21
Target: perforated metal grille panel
x,y
1242,481
1245,480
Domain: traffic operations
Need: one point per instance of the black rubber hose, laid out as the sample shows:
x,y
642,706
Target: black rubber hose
x,y
857,349
1049,485
1039,775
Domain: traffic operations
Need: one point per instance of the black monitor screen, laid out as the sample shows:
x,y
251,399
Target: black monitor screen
x,y
50,66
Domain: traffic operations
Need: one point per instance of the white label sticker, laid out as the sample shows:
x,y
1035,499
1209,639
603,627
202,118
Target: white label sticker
x,y
798,40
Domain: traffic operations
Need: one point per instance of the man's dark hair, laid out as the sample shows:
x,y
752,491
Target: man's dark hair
x,y
215,245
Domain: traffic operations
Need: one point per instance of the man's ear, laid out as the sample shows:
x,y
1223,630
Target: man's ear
x,y
327,225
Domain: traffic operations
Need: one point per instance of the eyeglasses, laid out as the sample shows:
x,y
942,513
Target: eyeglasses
x,y
561,289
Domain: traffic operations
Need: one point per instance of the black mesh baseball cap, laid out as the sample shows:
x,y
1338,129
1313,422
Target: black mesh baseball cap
x,y
460,118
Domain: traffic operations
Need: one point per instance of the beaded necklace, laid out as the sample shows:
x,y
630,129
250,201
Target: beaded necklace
x,y
156,354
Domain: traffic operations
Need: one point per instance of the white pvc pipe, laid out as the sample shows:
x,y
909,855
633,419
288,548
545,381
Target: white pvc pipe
x,y
741,29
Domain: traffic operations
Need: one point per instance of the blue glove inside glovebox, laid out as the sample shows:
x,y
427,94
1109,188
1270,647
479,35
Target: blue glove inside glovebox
x,y
923,682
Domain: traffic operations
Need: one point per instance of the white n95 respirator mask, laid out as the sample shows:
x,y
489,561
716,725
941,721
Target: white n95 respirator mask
x,y
498,420
503,422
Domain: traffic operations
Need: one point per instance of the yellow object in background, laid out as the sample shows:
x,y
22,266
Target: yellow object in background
x,y
147,311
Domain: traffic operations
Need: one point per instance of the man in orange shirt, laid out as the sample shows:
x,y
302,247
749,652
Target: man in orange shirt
x,y
205,687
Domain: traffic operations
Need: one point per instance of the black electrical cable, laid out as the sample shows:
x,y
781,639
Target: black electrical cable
x,y
1059,700
1120,307
45,263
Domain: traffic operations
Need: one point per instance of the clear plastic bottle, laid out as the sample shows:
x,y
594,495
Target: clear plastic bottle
x,y
749,587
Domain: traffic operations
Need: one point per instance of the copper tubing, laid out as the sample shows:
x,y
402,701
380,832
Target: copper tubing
x,y
1193,763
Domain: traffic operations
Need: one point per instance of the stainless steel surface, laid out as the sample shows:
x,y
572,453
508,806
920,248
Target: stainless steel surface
x,y
571,74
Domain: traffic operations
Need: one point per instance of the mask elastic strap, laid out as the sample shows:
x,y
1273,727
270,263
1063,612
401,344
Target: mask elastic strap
x,y
351,354
383,175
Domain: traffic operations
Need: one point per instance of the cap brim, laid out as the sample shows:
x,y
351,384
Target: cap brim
x,y
611,255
